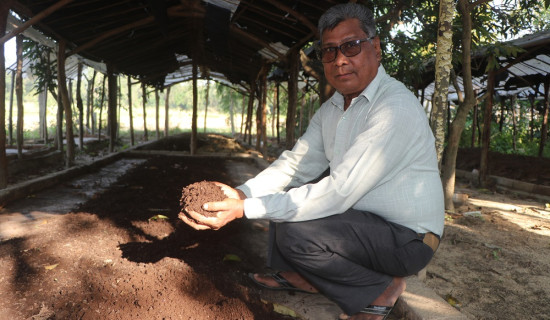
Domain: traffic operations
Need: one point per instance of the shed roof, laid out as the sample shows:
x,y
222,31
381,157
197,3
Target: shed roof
x,y
157,40
521,75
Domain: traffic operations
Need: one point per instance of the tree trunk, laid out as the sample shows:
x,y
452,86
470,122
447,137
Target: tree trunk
x,y
112,107
19,96
544,127
166,112
64,95
486,135
463,109
144,100
131,116
80,107
474,126
503,109
443,65
194,140
292,98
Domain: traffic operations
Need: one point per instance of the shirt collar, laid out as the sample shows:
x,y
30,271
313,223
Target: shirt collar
x,y
337,98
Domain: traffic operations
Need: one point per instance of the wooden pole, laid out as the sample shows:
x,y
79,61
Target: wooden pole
x,y
10,116
166,112
112,106
486,135
206,102
278,110
37,18
544,127
4,11
292,99
80,107
64,96
261,123
144,100
193,141
157,113
19,95
132,141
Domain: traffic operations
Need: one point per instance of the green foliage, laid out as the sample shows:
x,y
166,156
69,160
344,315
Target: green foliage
x,y
42,66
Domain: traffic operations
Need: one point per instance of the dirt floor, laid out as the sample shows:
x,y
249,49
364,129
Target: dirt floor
x,y
124,255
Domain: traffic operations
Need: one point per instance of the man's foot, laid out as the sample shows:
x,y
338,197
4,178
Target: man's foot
x,y
386,299
285,280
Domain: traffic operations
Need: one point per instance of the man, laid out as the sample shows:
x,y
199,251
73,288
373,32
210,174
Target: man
x,y
377,217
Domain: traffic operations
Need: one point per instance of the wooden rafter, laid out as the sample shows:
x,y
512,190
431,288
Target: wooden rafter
x,y
35,19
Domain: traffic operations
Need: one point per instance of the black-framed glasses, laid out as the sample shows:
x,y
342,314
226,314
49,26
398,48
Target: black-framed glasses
x,y
349,49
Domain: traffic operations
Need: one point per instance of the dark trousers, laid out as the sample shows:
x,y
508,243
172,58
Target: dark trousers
x,y
350,257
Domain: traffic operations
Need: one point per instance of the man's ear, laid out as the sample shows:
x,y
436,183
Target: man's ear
x,y
377,48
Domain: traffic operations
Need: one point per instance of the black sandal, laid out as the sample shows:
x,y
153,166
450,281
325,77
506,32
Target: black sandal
x,y
283,283
378,310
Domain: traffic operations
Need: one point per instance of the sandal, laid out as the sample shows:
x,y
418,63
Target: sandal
x,y
378,310
283,283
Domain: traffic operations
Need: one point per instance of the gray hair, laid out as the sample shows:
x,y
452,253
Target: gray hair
x,y
340,12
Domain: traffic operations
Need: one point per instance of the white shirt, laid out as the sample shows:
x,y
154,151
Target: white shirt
x,y
382,159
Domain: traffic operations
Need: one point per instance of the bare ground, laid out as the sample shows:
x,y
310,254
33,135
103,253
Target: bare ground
x,y
114,257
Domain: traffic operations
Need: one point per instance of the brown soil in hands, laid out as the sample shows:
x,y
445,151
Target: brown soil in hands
x,y
195,195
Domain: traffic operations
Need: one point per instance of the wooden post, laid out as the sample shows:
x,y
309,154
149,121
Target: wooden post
x,y
278,109
261,123
251,99
544,127
19,95
292,98
157,114
166,112
90,102
10,116
193,142
4,11
80,107
112,106
42,111
486,135
144,99
99,120
242,114
64,96
132,142
514,121
206,102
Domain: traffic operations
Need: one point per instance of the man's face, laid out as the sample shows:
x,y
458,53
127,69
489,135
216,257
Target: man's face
x,y
351,75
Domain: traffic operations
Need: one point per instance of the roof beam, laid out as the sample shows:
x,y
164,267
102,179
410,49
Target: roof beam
x,y
111,33
258,41
35,19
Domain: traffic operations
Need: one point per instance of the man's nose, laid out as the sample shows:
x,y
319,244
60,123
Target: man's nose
x,y
341,59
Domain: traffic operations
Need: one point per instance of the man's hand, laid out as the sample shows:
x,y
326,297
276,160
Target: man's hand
x,y
226,211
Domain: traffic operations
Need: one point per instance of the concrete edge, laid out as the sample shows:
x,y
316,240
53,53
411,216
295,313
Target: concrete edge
x,y
419,302
539,192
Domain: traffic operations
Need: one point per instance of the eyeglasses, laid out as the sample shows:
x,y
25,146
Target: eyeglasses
x,y
349,49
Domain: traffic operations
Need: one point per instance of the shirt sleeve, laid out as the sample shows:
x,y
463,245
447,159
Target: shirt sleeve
x,y
304,163
383,148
